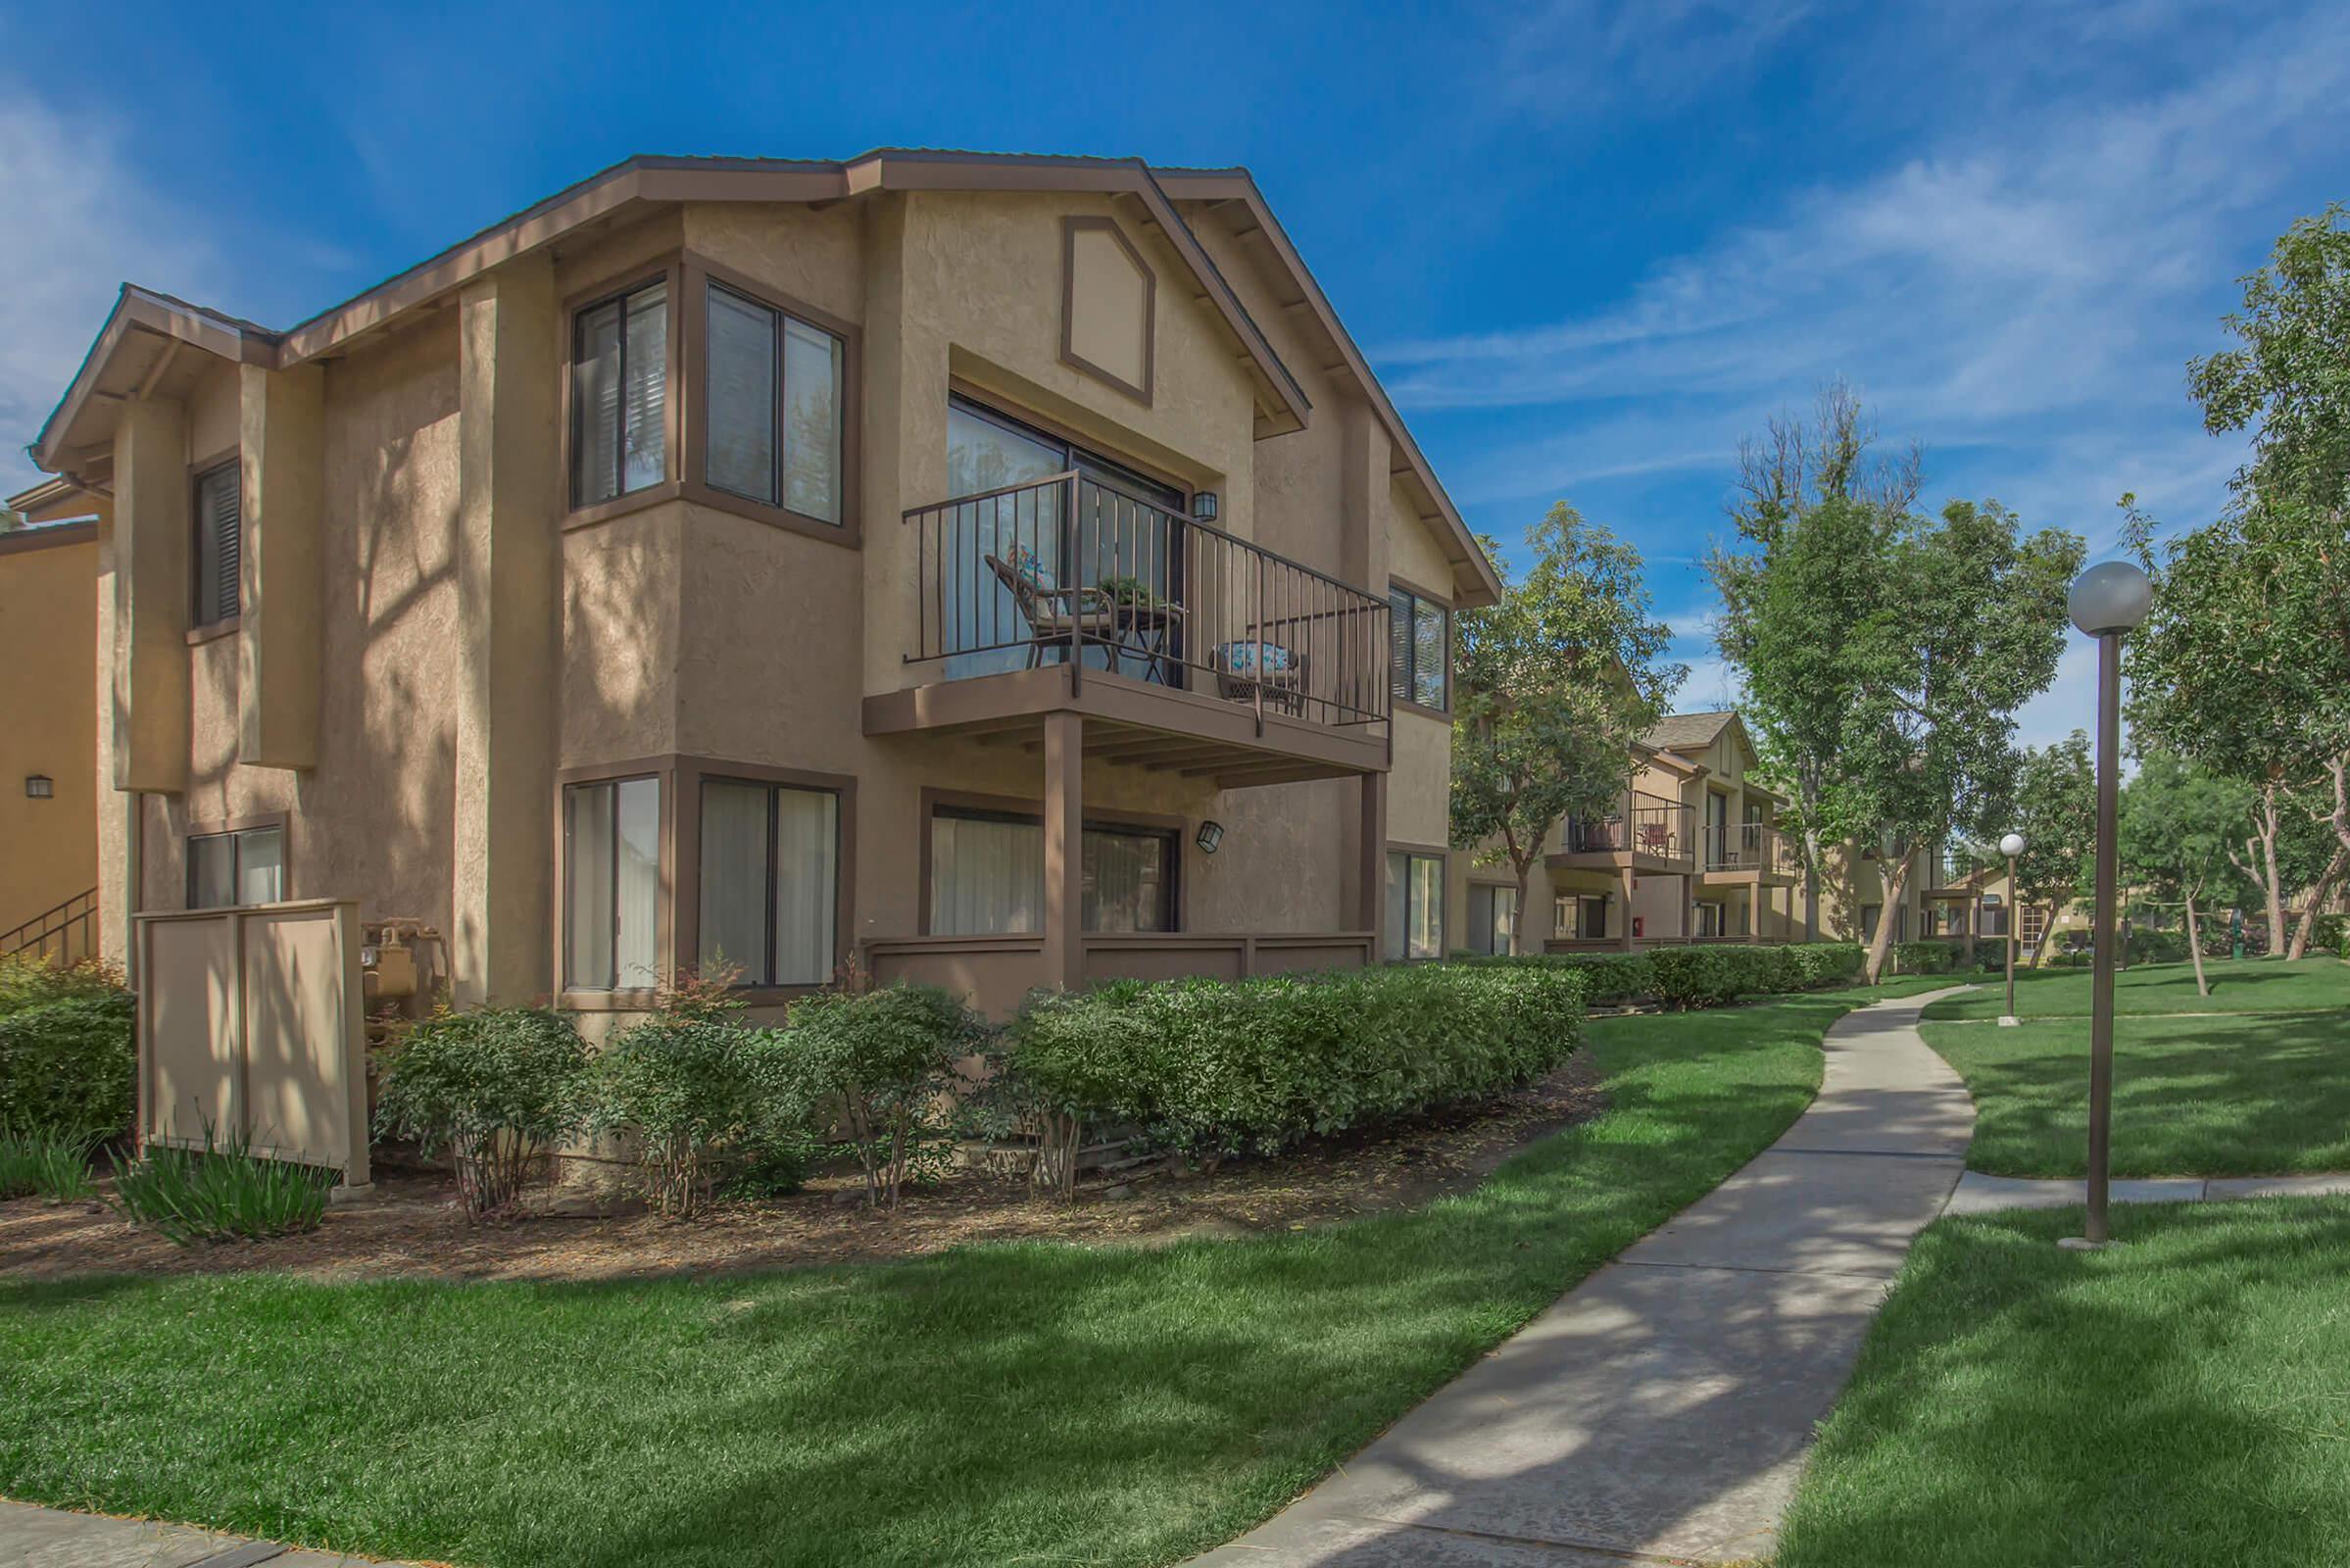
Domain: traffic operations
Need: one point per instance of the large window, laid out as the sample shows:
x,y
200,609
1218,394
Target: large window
x,y
246,866
1422,663
987,875
770,881
1416,904
1492,910
219,542
777,395
612,885
619,395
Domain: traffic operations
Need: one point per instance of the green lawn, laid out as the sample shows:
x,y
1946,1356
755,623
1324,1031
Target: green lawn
x,y
2181,1400
1009,1403
2252,1094
2246,985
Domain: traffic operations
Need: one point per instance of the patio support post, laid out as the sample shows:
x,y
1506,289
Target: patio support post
x,y
1689,905
1370,891
1624,937
1064,850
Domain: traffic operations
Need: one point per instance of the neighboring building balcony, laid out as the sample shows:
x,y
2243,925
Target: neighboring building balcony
x,y
1653,836
1950,875
1752,852
1187,649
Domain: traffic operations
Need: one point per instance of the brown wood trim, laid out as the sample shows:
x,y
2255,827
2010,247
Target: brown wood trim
x,y
665,268
689,772
698,274
1451,633
603,512
932,801
1404,705
665,923
213,630
1070,227
1418,592
48,536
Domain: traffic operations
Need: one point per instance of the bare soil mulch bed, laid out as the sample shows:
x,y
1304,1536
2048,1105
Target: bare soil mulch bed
x,y
410,1227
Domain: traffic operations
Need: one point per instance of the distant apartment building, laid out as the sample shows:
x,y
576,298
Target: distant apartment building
x,y
49,795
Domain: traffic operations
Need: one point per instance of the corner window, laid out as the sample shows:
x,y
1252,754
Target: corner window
x,y
612,885
1421,669
1492,910
987,875
776,394
233,868
1415,906
619,395
770,881
219,541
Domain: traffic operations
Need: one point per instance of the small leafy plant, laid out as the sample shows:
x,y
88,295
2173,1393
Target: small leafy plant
x,y
494,1089
45,1161
222,1192
887,1058
703,1100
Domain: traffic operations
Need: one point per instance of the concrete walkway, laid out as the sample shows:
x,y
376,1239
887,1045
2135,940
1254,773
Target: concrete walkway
x,y
1978,1193
1659,1411
44,1537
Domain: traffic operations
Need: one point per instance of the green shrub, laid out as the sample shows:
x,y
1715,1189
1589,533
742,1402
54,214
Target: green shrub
x,y
2329,931
1212,1066
1701,974
46,1161
886,1057
219,1193
1925,957
30,981
69,1062
705,1099
491,1089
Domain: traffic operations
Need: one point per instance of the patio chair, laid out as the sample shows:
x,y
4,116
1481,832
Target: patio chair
x,y
1054,615
1242,667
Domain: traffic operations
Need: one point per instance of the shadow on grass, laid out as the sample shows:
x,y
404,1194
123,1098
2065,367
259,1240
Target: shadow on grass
x,y
2176,1400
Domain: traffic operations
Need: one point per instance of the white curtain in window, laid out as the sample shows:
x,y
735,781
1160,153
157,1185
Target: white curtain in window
x,y
1427,907
1396,940
1125,882
806,884
987,877
645,434
588,886
595,404
635,962
741,415
811,420
261,866
734,878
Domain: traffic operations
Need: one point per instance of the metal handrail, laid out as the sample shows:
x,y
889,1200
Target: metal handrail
x,y
64,932
1058,566
1751,847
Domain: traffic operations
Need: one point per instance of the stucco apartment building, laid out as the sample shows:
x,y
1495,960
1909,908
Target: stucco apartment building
x,y
1692,853
999,570
48,738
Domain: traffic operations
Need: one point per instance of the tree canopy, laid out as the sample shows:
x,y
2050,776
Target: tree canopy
x,y
2056,810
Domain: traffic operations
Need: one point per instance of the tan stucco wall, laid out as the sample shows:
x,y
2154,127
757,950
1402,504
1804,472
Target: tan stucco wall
x,y
49,651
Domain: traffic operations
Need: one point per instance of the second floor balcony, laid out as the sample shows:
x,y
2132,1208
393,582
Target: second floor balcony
x,y
1752,848
1071,591
1652,833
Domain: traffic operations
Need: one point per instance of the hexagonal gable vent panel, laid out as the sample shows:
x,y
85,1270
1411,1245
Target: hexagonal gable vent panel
x,y
1109,301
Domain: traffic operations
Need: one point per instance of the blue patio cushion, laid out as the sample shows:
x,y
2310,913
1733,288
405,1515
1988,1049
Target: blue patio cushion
x,y
1253,657
1031,568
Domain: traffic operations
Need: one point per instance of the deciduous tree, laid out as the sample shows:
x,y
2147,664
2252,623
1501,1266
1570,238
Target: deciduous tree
x,y
2178,826
2056,811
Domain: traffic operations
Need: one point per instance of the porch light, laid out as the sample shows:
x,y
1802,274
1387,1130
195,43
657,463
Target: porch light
x,y
1211,834
40,787
1204,505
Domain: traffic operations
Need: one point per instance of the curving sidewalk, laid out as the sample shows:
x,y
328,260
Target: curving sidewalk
x,y
1659,1411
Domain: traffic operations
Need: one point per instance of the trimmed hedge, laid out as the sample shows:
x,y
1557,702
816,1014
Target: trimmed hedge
x,y
1213,1067
69,1066
1700,974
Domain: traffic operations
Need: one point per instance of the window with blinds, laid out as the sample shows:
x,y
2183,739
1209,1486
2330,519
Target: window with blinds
x,y
777,391
1420,668
770,881
612,885
619,395
219,537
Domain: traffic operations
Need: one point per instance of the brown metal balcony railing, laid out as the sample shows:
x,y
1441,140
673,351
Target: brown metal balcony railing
x,y
65,935
1752,846
1072,569
1654,826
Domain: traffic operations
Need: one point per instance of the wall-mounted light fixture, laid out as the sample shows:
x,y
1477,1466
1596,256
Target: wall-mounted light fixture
x,y
40,786
1211,834
1204,505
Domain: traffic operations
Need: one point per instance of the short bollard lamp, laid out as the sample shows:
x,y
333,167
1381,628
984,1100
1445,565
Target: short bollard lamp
x,y
2106,602
2011,847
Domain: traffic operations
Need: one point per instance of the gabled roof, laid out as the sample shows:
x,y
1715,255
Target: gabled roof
x,y
1688,733
146,328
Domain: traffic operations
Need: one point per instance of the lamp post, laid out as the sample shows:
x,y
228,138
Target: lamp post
x,y
2011,846
2106,602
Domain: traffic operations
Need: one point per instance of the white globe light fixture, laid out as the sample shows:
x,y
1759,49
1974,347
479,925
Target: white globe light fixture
x,y
2011,846
2110,599
2107,602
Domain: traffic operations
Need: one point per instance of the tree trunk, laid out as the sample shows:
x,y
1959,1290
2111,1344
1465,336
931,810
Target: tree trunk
x,y
2194,948
1881,943
1517,911
2336,868
2270,883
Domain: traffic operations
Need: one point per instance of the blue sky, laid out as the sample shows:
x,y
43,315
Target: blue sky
x,y
1588,247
